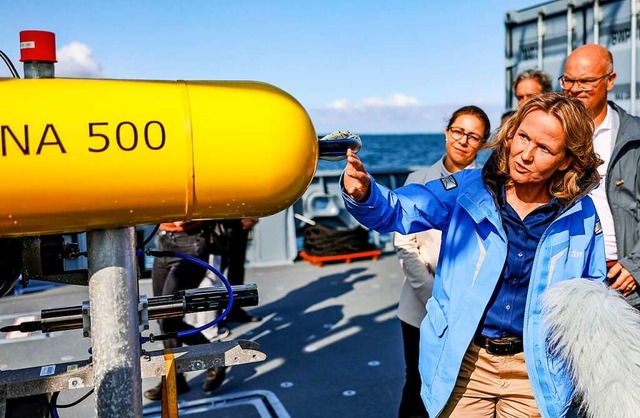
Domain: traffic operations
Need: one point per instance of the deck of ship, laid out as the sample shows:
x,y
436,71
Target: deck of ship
x,y
330,334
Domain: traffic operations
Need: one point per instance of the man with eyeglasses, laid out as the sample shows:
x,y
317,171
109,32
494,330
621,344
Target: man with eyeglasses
x,y
588,76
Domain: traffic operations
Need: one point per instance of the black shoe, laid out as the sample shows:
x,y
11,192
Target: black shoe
x,y
155,394
241,316
214,379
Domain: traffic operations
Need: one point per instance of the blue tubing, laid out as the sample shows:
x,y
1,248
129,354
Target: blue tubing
x,y
211,269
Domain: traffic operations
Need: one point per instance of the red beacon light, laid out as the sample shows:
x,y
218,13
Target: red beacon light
x,y
38,53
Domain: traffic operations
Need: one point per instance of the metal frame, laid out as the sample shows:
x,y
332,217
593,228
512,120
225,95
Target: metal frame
x,y
81,374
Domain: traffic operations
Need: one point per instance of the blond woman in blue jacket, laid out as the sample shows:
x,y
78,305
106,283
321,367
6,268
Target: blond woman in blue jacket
x,y
509,232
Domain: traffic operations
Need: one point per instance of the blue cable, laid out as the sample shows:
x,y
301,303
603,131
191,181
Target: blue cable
x,y
52,405
211,269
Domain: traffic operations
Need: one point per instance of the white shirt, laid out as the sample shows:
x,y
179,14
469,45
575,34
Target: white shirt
x,y
603,139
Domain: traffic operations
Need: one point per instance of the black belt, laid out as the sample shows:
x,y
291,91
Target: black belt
x,y
505,346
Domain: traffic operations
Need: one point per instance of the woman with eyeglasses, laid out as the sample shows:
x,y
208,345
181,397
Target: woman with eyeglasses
x,y
509,232
466,132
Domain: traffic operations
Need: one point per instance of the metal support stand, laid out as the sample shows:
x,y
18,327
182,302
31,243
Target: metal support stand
x,y
113,295
114,318
83,375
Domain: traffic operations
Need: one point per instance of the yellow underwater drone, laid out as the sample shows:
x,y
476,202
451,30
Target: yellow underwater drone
x,y
82,154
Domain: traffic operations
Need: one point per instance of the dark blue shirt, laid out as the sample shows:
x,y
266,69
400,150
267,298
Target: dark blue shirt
x,y
504,316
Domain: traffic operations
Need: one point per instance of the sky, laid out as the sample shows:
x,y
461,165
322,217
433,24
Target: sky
x,y
366,66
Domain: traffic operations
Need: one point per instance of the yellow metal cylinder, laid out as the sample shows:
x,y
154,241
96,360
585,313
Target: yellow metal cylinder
x,y
83,154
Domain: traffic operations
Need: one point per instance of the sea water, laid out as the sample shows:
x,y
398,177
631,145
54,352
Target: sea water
x,y
399,151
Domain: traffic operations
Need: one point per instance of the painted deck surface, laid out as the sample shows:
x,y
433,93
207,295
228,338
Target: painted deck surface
x,y
330,333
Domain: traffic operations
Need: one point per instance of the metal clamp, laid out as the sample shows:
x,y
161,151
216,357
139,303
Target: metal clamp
x,y
143,313
86,319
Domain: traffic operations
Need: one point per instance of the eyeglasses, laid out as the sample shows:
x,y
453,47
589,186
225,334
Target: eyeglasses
x,y
585,84
457,134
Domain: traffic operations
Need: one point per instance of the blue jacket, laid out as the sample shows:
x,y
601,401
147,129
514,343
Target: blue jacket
x,y
473,254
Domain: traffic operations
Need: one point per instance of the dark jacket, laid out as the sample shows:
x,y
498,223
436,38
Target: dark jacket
x,y
623,193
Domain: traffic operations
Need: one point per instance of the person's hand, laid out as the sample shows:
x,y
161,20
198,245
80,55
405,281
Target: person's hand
x,y
356,179
622,280
248,223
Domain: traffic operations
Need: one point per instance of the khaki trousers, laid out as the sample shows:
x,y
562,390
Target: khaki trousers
x,y
491,386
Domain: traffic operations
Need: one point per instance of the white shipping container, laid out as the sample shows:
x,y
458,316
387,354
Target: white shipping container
x,y
542,36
